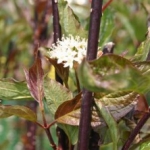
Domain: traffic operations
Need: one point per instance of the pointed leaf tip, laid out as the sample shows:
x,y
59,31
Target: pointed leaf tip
x,y
34,77
20,111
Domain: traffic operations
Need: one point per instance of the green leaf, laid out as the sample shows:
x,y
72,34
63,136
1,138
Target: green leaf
x,y
4,114
118,104
71,132
67,111
142,145
107,26
143,50
145,146
4,144
106,146
20,111
14,90
69,22
55,94
111,123
110,73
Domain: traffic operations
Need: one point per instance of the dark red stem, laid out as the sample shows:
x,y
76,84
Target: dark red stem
x,y
136,131
56,30
56,24
62,138
87,100
50,138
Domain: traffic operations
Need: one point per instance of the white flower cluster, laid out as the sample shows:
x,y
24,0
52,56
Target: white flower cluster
x,y
69,50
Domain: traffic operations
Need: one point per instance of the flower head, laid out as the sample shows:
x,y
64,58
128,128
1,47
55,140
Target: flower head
x,y
69,50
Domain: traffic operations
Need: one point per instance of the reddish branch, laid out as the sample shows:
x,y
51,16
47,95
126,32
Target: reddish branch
x,y
106,5
87,100
136,131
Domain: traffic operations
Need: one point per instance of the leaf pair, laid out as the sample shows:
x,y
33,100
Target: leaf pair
x,y
107,110
118,104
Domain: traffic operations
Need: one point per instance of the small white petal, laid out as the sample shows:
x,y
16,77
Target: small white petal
x,y
68,50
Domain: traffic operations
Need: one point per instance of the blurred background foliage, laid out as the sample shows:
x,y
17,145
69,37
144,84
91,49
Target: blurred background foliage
x,y
124,22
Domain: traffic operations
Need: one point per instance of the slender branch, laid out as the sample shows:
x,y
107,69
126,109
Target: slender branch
x,y
46,128
56,30
44,119
53,145
87,100
56,24
140,124
96,13
52,123
136,131
39,124
62,137
106,5
40,34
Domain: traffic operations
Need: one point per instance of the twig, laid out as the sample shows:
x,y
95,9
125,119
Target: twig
x,y
87,100
46,128
39,124
62,137
56,25
106,5
136,131
53,145
52,123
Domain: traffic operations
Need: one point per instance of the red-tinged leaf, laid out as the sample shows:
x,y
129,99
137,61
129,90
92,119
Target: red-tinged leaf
x,y
61,71
119,104
141,107
34,79
68,106
20,111
142,104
